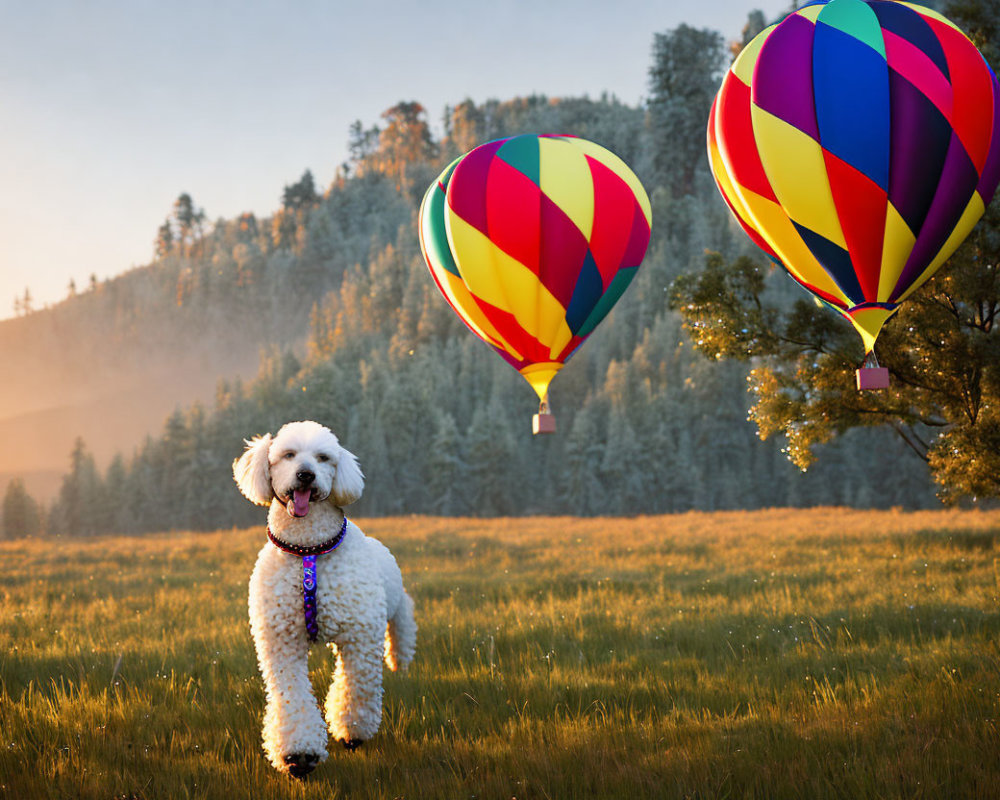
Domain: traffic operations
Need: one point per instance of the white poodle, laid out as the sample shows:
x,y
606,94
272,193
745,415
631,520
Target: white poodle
x,y
319,578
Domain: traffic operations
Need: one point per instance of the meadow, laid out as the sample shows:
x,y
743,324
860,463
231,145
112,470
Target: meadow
x,y
824,653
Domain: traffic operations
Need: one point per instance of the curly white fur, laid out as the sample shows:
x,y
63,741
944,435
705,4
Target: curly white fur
x,y
363,613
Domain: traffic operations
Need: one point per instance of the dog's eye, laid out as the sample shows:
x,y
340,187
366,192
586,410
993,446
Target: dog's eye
x,y
322,458
289,455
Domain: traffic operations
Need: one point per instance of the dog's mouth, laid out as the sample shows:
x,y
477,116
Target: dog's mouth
x,y
297,504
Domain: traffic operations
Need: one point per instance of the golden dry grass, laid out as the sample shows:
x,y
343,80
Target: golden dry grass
x,y
824,654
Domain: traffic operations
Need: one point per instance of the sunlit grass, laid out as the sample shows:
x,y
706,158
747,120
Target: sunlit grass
x,y
823,653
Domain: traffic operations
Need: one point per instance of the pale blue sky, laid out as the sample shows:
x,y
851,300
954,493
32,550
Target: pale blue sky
x,y
111,108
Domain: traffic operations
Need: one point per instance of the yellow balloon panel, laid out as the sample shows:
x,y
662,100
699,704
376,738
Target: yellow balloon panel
x,y
564,177
897,243
540,376
793,162
868,321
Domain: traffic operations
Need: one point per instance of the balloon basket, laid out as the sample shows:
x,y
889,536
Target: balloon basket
x,y
543,423
871,375
872,378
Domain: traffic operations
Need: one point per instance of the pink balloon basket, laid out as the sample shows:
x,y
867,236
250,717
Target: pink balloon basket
x,y
543,423
872,378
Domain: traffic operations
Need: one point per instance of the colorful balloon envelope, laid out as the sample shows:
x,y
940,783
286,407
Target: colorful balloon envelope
x,y
532,240
858,142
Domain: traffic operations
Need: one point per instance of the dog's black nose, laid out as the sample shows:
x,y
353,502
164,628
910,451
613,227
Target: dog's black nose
x,y
301,764
305,476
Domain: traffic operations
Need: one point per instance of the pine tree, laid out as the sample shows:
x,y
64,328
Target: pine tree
x,y
621,469
403,144
464,126
77,510
684,77
119,509
300,195
361,144
756,22
583,492
164,243
489,451
190,222
21,514
446,470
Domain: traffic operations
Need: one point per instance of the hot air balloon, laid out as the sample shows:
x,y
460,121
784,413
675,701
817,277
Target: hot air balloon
x,y
858,142
531,240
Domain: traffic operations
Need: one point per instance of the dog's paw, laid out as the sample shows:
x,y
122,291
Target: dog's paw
x,y
301,764
352,744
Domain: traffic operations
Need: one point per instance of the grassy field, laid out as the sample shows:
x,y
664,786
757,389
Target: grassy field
x,y
781,654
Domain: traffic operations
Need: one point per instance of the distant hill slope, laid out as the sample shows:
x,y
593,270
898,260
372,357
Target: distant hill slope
x,y
112,411
109,364
72,373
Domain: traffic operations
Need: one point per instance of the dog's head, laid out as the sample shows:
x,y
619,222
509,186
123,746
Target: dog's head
x,y
303,464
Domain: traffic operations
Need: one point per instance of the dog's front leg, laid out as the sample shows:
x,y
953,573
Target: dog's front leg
x,y
354,702
295,736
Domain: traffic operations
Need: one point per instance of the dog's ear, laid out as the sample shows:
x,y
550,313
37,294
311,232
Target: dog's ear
x,y
252,473
348,482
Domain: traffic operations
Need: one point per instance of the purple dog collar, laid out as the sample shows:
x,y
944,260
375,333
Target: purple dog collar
x,y
308,555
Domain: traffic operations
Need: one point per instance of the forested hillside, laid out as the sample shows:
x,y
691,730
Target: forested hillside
x,y
333,285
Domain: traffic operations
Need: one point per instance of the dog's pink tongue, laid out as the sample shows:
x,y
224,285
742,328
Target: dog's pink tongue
x,y
300,502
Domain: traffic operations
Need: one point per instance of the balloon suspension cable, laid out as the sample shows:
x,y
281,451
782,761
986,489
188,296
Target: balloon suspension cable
x,y
871,362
